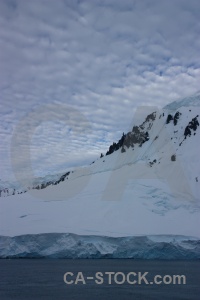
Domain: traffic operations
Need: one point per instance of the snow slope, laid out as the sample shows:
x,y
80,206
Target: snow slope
x,y
192,100
151,189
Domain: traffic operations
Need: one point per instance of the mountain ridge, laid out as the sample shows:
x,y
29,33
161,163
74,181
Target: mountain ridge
x,y
139,135
193,100
145,196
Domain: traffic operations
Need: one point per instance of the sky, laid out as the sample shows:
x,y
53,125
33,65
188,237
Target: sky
x,y
73,73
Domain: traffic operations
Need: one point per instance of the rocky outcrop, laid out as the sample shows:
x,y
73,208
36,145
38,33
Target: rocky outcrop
x,y
176,117
192,126
138,135
169,119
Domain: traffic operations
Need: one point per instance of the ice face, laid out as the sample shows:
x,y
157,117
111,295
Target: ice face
x,y
55,245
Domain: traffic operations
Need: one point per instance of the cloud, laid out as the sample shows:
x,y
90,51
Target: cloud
x,y
103,58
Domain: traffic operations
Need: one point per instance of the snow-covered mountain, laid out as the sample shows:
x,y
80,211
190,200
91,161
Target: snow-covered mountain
x,y
12,188
147,184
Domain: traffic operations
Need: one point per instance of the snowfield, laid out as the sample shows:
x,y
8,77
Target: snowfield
x,y
142,203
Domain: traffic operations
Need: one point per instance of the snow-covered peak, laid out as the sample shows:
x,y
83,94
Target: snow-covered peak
x,y
162,138
193,100
147,184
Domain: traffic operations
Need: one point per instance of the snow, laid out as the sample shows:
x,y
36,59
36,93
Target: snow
x,y
146,207
193,100
140,197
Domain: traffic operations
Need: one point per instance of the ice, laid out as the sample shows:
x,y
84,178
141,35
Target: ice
x,y
140,203
63,245
193,100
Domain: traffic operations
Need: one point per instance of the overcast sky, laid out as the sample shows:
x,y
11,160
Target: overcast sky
x,y
98,60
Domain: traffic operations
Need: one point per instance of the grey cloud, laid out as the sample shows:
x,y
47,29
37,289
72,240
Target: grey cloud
x,y
103,58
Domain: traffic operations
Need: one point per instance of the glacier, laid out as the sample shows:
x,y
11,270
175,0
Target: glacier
x,y
62,245
190,101
142,202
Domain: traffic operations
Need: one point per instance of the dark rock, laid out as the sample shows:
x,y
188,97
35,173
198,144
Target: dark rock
x,y
136,136
169,119
123,150
191,126
176,117
151,163
173,157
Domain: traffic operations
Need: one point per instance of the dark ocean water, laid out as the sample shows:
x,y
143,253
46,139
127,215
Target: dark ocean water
x,y
24,279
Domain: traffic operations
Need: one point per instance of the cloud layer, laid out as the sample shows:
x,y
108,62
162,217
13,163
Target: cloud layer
x,y
101,58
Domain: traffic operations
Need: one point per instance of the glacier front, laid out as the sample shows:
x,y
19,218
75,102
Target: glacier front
x,y
55,245
140,200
